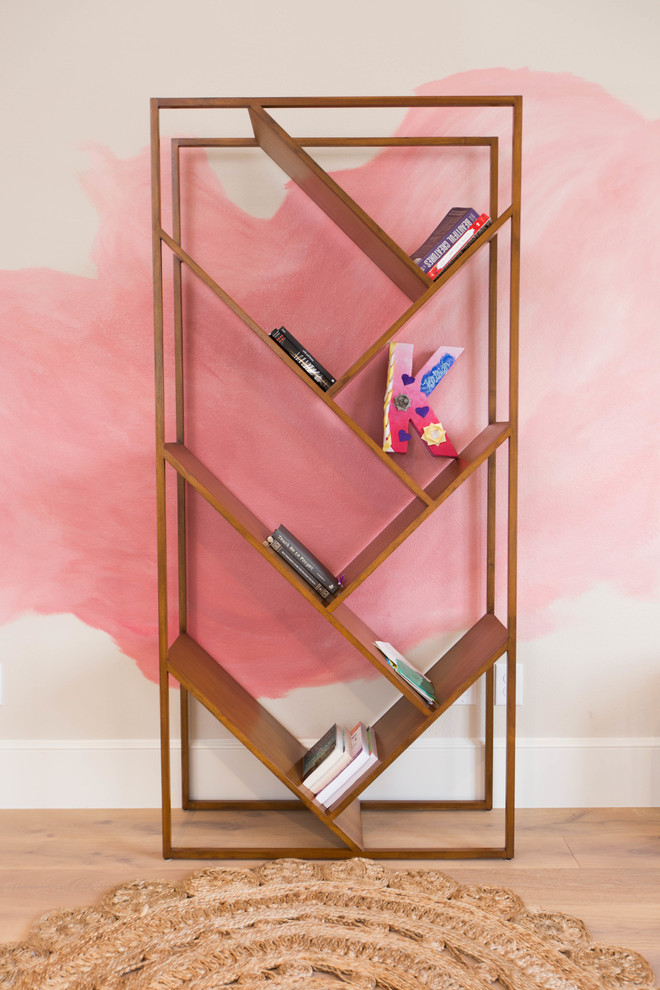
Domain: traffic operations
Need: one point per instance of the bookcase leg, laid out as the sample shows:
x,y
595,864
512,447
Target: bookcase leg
x,y
489,731
185,748
510,796
166,799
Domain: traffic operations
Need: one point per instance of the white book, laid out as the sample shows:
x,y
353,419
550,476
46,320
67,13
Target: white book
x,y
363,745
334,758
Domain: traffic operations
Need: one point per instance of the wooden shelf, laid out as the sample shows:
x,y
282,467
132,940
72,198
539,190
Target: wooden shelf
x,y
254,726
199,674
238,711
416,512
337,205
452,674
282,753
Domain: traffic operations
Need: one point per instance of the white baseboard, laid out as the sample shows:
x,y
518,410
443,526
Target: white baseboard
x,y
555,772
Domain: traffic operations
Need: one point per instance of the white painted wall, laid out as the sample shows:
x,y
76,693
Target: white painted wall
x,y
78,722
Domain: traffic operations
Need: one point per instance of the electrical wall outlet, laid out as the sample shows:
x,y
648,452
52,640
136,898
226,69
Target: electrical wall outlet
x,y
500,683
467,698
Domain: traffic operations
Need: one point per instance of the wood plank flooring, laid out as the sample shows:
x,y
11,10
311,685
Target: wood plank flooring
x,y
600,865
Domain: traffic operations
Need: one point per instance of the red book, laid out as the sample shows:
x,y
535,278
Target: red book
x,y
479,225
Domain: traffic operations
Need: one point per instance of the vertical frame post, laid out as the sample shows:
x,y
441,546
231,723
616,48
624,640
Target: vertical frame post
x,y
492,462
514,316
177,277
159,361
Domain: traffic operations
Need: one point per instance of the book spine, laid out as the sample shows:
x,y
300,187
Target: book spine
x,y
326,770
348,785
359,757
282,537
303,358
442,240
449,221
316,780
321,749
335,794
336,767
287,335
461,245
298,567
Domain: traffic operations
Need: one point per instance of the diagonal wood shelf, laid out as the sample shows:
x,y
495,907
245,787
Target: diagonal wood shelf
x,y
336,204
252,724
200,675
282,753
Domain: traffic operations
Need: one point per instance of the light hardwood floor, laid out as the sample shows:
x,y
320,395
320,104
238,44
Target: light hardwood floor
x,y
602,866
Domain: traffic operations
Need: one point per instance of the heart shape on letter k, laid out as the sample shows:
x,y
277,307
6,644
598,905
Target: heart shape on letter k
x,y
422,411
407,379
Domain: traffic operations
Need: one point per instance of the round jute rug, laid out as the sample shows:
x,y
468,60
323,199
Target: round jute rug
x,y
292,923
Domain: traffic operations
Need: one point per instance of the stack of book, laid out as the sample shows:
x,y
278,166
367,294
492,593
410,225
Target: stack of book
x,y
301,356
420,682
336,762
451,237
303,561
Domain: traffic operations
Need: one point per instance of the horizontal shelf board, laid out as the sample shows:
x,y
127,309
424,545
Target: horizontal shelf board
x,y
337,205
403,804
217,804
422,141
235,708
416,512
231,102
314,852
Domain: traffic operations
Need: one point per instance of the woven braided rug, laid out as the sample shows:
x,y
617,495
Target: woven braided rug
x,y
296,924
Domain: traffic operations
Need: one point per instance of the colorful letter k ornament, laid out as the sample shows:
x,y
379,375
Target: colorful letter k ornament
x,y
406,400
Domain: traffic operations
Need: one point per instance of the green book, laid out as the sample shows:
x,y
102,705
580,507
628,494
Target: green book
x,y
414,677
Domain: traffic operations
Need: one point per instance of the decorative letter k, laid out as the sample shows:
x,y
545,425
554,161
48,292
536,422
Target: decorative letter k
x,y
406,400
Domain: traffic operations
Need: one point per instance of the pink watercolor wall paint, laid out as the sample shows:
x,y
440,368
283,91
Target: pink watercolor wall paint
x,y
76,398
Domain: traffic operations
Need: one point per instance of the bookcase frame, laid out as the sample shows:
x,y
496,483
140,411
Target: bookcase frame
x,y
200,675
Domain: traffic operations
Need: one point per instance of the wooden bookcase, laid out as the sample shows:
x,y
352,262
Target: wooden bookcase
x,y
473,656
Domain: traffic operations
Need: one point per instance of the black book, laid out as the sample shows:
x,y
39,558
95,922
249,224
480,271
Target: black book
x,y
440,240
298,567
302,356
283,538
324,747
